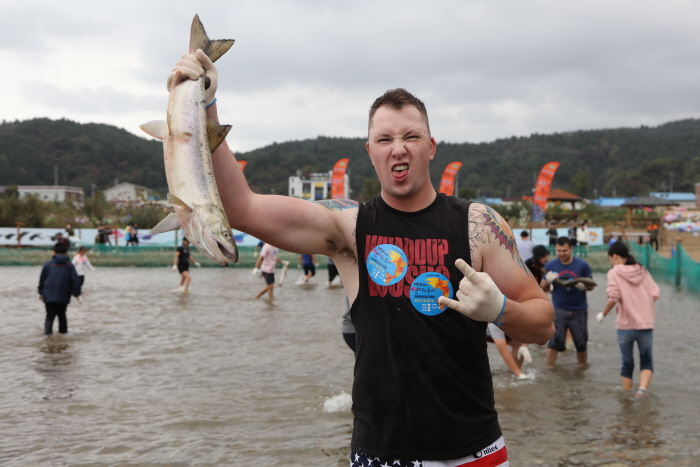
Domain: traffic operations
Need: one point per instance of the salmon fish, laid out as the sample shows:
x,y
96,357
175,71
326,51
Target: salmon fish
x,y
188,142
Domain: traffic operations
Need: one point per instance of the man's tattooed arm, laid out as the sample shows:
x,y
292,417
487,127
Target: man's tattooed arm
x,y
338,204
485,226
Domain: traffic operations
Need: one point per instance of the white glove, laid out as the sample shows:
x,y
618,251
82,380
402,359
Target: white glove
x,y
551,276
524,353
316,264
255,254
600,317
194,66
197,264
479,297
80,299
256,272
286,263
174,267
581,286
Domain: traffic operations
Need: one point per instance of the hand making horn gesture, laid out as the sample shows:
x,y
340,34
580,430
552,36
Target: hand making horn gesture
x,y
478,296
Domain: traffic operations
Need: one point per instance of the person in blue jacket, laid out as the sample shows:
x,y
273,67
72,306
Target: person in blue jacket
x,y
58,281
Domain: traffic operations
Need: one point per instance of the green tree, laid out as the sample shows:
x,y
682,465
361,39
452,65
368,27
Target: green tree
x,y
466,193
580,184
370,188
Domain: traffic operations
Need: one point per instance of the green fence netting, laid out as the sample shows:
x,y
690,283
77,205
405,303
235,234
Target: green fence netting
x,y
680,269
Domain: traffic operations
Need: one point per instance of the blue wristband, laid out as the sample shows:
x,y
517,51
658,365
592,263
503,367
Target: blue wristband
x,y
500,315
210,104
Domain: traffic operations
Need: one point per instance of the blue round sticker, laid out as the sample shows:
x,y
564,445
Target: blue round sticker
x,y
425,291
387,264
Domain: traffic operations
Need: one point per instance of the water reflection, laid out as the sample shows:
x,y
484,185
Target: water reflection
x,y
149,377
55,355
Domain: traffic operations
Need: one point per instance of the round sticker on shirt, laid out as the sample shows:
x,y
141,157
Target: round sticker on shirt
x,y
425,291
387,264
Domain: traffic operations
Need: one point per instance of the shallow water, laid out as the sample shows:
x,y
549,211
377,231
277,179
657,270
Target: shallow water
x,y
147,377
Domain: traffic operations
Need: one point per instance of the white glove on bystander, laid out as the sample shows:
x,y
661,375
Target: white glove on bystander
x,y
478,296
286,263
256,272
80,299
581,286
551,276
174,267
600,317
524,353
197,264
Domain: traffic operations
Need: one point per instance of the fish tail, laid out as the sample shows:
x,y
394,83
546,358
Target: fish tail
x,y
200,40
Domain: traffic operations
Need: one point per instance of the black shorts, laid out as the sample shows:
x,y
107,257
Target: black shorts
x,y
183,267
576,322
332,272
310,269
269,277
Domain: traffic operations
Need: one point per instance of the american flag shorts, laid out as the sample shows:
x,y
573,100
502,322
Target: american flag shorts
x,y
494,455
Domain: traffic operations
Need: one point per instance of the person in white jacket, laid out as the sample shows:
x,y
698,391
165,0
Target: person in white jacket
x,y
633,290
81,264
583,238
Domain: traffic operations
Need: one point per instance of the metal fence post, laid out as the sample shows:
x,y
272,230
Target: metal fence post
x,y
679,264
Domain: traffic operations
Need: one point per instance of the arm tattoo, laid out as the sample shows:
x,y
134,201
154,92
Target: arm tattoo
x,y
338,204
484,225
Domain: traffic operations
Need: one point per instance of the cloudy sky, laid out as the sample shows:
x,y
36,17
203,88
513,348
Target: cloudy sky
x,y
304,68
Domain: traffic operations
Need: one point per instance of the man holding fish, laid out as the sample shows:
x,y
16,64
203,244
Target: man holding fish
x,y
422,390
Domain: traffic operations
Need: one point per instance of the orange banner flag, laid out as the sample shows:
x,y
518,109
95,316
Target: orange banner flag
x,y
338,179
542,187
447,183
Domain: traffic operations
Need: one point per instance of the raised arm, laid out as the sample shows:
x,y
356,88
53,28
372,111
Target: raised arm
x,y
288,223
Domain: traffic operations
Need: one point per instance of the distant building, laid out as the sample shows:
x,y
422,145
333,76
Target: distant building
x,y
63,194
315,186
603,202
684,200
129,193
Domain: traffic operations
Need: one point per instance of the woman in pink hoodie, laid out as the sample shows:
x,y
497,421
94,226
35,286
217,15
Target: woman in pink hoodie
x,y
633,290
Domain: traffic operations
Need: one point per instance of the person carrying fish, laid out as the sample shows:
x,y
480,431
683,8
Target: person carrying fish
x,y
422,388
181,264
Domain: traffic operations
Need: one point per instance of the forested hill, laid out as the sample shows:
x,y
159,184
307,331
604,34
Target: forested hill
x,y
628,161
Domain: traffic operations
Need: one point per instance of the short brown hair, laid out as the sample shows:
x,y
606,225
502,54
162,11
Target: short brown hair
x,y
398,99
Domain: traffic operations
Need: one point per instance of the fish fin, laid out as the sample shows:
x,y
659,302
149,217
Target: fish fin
x,y
199,40
216,133
175,201
155,128
171,222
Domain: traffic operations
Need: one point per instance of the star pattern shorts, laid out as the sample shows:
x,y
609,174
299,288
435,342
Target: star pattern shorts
x,y
494,455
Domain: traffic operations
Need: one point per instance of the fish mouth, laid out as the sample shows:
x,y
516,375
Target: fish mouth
x,y
231,254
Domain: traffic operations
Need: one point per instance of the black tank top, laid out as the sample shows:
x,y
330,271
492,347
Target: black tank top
x,y
422,387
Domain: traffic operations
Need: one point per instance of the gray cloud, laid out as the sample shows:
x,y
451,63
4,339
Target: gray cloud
x,y
309,67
